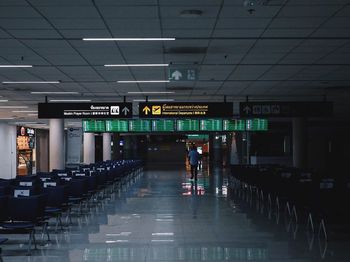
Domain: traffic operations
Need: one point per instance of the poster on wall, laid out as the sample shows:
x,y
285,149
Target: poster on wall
x,y
74,142
25,150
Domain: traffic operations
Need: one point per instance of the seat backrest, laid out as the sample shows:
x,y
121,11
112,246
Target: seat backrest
x,y
3,208
27,208
56,196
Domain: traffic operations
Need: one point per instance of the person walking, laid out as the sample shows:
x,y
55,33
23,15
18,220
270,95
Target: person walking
x,y
193,157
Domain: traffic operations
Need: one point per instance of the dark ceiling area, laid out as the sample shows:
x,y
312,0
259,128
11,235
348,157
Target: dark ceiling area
x,y
273,50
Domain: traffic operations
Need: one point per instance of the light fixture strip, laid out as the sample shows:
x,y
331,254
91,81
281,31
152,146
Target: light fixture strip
x,y
154,100
151,92
25,111
136,65
3,100
15,66
70,100
31,82
142,81
55,93
8,107
132,39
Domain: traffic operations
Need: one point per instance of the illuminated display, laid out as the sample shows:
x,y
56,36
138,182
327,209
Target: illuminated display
x,y
117,126
211,125
139,125
187,125
160,125
233,125
257,124
94,126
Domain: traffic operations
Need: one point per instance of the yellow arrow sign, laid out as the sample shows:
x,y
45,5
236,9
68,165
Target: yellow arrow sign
x,y
146,110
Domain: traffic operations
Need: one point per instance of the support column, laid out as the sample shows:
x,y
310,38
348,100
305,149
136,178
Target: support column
x,y
233,152
56,144
89,148
107,146
116,146
299,142
127,150
8,151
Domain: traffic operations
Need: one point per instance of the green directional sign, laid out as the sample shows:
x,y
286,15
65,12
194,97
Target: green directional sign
x,y
163,125
210,125
94,126
187,125
257,124
233,125
140,125
117,125
182,74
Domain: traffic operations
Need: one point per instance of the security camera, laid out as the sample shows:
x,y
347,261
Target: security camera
x,y
250,5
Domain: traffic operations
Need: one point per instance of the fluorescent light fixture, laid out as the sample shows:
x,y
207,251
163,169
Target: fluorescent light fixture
x,y
136,65
162,234
6,118
25,111
14,107
70,100
154,100
32,114
132,39
54,93
15,66
151,92
3,100
28,122
142,81
31,82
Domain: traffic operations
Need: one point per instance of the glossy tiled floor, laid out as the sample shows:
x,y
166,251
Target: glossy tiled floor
x,y
163,216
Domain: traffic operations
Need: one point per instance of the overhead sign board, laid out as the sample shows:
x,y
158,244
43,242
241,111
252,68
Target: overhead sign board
x,y
285,109
94,126
182,74
85,110
178,110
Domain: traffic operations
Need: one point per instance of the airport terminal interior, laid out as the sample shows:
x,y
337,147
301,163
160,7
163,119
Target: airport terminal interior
x,y
174,130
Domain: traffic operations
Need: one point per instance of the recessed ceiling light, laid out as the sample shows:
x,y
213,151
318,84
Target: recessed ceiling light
x,y
3,100
32,114
143,81
15,66
192,13
31,82
131,39
136,65
6,107
151,92
70,100
55,93
6,118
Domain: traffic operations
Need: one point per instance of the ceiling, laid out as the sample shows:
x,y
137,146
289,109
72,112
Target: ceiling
x,y
282,50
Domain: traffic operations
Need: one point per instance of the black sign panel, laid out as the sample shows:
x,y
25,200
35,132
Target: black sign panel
x,y
85,110
285,109
188,110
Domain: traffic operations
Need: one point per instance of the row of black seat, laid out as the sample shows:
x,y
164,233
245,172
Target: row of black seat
x,y
28,202
305,197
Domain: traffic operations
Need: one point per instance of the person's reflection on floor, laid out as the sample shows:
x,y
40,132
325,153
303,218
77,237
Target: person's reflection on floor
x,y
194,198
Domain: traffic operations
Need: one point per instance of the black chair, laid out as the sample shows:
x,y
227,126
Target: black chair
x,y
2,240
57,203
25,213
